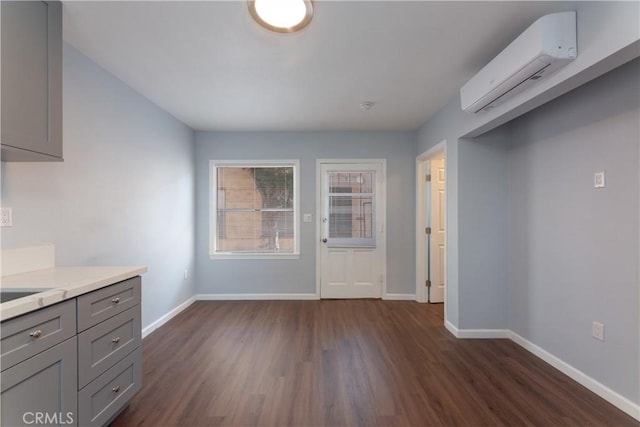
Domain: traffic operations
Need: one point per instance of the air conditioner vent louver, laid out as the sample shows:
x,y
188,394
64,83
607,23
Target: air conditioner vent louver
x,y
543,48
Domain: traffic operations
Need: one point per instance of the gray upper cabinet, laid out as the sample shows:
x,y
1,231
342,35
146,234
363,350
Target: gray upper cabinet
x,y
31,50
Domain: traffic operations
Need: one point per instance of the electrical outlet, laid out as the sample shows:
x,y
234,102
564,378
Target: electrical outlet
x,y
186,274
307,217
598,331
6,218
598,180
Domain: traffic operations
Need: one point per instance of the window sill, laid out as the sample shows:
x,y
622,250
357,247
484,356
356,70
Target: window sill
x,y
253,256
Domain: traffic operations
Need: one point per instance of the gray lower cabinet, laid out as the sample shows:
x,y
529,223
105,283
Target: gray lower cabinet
x,y
42,389
26,336
103,399
109,355
100,305
77,362
102,346
31,78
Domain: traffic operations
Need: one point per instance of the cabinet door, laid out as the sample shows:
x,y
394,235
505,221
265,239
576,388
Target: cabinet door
x,y
31,47
42,389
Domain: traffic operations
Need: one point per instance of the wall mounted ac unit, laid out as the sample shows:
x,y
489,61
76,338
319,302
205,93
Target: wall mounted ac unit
x,y
546,46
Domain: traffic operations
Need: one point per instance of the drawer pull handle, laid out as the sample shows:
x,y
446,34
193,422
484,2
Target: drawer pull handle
x,y
36,334
115,340
116,389
115,300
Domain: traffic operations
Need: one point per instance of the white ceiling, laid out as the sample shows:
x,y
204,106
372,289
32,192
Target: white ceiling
x,y
212,67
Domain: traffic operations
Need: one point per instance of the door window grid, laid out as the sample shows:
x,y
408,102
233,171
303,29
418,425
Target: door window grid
x,y
351,201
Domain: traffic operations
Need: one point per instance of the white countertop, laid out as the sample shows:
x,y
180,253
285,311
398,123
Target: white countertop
x,y
61,283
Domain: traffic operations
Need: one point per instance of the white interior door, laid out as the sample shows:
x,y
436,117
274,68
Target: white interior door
x,y
436,238
352,229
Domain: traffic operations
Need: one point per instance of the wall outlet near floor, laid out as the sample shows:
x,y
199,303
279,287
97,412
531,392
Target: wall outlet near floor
x,y
598,180
598,331
6,218
186,274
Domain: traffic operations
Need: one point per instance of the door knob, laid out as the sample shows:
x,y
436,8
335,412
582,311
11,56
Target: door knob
x,y
324,240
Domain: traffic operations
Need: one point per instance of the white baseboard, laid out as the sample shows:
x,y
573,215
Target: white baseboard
x,y
224,297
476,333
598,388
400,297
451,328
170,315
617,400
483,333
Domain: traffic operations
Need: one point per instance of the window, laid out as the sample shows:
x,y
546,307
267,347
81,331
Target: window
x,y
351,201
254,209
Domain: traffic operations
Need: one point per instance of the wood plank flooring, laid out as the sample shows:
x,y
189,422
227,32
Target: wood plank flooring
x,y
346,363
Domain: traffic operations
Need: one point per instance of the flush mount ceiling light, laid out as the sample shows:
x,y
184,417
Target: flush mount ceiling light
x,y
282,16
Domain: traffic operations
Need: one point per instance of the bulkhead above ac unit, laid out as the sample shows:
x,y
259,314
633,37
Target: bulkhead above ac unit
x,y
543,48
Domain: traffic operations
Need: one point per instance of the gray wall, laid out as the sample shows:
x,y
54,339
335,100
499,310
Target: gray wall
x,y
482,220
124,194
298,276
574,249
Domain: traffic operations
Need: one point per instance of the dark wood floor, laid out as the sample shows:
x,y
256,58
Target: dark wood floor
x,y
338,363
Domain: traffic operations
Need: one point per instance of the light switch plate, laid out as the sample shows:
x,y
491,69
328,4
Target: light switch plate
x,y
598,180
6,217
307,217
598,331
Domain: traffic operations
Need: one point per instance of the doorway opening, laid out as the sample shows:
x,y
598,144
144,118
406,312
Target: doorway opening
x,y
431,225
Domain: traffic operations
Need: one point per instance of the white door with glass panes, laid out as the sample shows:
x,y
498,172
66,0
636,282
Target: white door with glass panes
x,y
352,229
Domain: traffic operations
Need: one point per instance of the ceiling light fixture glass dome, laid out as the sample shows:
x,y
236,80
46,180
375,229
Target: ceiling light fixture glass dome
x,y
283,16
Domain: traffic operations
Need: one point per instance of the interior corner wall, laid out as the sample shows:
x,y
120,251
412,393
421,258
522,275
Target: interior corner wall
x,y
298,276
483,227
124,194
573,249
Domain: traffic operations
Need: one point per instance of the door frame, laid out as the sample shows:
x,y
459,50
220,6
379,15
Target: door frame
x,y
381,220
421,216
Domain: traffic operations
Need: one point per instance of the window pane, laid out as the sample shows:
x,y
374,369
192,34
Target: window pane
x,y
351,182
350,217
255,209
275,186
277,223
239,189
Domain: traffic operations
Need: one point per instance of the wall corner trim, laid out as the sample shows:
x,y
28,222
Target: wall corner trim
x,y
619,401
399,297
164,319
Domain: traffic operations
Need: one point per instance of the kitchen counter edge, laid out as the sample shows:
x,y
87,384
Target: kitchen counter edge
x,y
62,283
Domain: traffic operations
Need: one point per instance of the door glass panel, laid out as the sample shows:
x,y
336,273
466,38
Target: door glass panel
x,y
351,201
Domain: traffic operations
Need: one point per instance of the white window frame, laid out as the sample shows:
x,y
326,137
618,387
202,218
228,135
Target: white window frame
x,y
213,209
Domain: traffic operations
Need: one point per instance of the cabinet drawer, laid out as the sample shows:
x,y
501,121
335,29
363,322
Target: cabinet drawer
x,y
99,401
100,347
28,335
104,303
